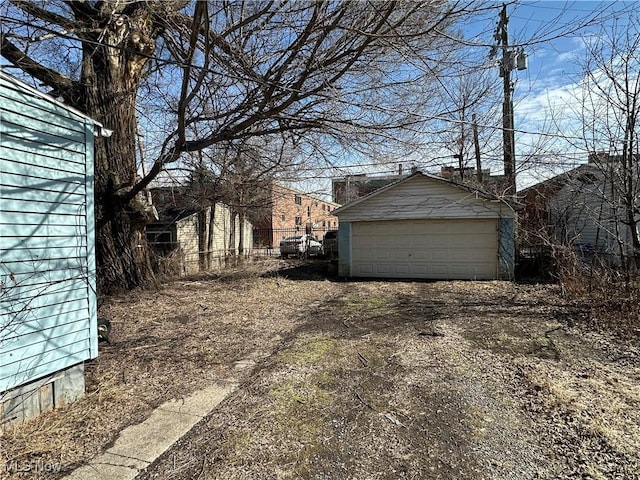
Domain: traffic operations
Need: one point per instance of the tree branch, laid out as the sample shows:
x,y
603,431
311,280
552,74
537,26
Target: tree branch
x,y
46,15
164,159
81,9
62,85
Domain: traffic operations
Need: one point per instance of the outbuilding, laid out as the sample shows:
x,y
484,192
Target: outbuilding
x,y
48,325
426,227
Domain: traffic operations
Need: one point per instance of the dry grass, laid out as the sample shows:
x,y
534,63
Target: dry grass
x,y
603,298
404,380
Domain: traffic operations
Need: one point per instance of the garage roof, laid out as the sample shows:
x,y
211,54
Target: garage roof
x,y
493,205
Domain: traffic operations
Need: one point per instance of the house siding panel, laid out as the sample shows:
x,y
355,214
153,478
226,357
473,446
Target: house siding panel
x,y
221,230
44,363
42,160
584,214
66,129
46,208
225,237
47,263
34,336
187,236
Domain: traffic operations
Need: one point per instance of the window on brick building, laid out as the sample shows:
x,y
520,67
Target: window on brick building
x,y
298,220
324,207
283,217
309,211
298,200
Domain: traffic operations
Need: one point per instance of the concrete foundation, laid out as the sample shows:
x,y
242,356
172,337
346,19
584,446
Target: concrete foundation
x,y
41,395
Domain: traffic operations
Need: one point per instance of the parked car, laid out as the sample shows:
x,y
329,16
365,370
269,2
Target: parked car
x,y
301,246
330,244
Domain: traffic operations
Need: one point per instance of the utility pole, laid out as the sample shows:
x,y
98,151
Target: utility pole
x,y
476,146
507,105
511,58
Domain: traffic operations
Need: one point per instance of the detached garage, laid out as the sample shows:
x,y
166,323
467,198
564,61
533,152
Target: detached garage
x,y
426,227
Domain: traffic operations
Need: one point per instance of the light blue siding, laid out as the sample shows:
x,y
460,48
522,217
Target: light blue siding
x,y
47,260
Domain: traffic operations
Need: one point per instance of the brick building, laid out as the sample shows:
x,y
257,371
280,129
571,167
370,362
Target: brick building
x,y
290,212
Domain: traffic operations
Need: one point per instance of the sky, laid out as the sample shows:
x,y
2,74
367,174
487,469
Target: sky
x,y
552,34
545,93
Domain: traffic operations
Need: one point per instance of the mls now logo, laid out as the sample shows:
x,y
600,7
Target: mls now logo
x,y
33,466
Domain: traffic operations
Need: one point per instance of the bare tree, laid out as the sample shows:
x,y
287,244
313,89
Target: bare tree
x,y
220,72
610,115
472,95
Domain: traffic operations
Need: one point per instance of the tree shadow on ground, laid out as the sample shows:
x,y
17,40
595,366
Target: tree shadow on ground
x,y
304,270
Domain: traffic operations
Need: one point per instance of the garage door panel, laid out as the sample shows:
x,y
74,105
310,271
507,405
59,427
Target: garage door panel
x,y
439,255
439,271
440,249
420,243
420,255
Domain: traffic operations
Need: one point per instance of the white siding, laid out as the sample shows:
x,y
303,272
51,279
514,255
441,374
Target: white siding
x,y
187,237
585,213
226,235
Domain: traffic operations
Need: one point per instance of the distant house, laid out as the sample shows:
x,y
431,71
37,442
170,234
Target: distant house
x,y
48,308
188,238
427,227
288,212
582,208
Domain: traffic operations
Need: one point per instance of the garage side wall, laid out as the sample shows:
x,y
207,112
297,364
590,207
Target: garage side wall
x,y
344,247
506,249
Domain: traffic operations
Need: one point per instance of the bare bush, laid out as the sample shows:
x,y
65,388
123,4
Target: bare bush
x,y
599,295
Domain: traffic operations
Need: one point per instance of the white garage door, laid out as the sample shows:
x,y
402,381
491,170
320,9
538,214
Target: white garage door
x,y
434,249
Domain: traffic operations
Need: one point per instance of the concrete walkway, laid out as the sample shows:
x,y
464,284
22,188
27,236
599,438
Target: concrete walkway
x,y
139,445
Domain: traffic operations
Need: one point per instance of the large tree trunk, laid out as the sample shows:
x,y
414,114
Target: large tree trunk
x,y
110,79
202,240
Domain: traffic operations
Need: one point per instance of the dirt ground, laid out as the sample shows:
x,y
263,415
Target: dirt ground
x,y
356,380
